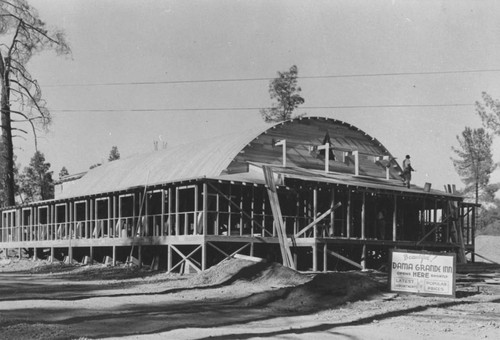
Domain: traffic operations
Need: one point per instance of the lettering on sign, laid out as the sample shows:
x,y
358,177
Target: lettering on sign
x,y
422,272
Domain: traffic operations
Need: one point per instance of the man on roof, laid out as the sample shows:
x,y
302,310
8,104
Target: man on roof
x,y
407,169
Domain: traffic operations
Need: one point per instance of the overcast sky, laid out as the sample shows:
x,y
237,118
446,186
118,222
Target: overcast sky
x,y
381,45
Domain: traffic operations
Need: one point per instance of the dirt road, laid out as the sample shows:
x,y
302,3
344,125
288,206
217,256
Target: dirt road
x,y
235,300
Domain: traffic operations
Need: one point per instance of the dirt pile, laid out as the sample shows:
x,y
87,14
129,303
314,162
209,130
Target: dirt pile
x,y
325,290
232,270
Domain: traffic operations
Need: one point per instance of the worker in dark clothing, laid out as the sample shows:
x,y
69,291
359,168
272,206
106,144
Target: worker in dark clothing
x,y
407,169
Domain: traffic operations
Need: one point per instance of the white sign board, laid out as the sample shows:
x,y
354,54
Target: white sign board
x,y
422,272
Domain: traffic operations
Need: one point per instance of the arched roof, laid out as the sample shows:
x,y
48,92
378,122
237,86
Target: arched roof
x,y
224,154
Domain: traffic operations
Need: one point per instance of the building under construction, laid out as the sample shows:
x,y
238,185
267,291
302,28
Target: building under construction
x,y
312,193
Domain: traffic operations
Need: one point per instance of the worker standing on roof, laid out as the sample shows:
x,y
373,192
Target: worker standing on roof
x,y
407,169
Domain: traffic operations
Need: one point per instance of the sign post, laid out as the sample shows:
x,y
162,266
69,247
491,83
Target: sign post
x,y
422,272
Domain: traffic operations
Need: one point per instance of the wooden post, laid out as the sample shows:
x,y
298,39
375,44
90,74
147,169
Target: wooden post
x,y
195,216
363,257
113,263
326,147
52,254
283,143
162,218
205,209
394,218
91,255
363,217
169,258
170,218
315,210
315,257
332,214
204,255
349,204
139,255
177,220
325,257
278,218
355,153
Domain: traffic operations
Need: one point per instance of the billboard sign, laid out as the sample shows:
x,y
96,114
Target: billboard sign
x,y
422,272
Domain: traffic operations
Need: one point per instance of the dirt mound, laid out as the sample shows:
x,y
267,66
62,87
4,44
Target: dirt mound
x,y
323,291
232,270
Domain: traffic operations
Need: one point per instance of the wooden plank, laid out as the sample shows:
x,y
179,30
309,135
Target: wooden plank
x,y
345,259
317,220
278,218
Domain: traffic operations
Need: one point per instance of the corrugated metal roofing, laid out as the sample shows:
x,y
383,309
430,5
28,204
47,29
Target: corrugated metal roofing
x,y
207,158
215,157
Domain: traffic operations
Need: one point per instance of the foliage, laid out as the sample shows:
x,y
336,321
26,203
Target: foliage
x,y
22,35
285,91
36,180
114,154
475,162
63,172
489,111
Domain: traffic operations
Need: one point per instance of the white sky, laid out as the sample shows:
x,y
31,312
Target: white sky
x,y
139,41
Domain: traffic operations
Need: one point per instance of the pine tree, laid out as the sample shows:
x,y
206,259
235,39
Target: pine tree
x,y
475,163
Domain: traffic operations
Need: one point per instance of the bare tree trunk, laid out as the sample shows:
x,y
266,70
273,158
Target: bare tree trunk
x,y
8,148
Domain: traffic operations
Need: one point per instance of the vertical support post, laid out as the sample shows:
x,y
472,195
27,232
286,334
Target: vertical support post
x,y
204,255
355,153
325,257
205,209
332,214
252,209
169,258
196,209
139,255
363,257
170,219
394,219
326,147
177,220
91,255
52,254
315,257
110,215
113,261
363,216
315,211
217,217
70,254
473,234
229,211
252,246
34,253
349,204
283,143
162,217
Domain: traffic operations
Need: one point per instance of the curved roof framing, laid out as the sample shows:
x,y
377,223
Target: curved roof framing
x,y
228,153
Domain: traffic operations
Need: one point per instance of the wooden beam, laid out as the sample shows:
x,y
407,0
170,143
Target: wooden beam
x,y
278,218
317,220
345,259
